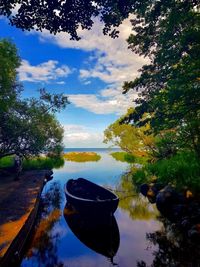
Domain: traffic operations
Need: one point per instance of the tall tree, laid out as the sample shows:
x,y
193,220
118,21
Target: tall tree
x,y
168,32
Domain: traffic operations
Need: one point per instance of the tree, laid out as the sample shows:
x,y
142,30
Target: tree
x,y
66,16
129,138
168,33
27,126
9,62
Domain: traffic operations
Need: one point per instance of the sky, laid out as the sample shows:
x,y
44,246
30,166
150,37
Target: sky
x,y
90,72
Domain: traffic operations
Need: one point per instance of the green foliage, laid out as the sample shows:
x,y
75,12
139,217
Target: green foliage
x,y
66,16
123,156
139,176
168,32
34,163
9,62
43,163
138,208
82,156
6,162
182,170
27,126
134,140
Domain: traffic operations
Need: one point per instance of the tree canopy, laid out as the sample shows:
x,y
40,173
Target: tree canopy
x,y
133,140
27,126
168,32
66,16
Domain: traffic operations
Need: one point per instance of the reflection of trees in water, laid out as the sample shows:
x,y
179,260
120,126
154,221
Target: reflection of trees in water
x,y
174,248
43,247
130,200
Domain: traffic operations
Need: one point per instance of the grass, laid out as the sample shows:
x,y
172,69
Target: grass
x,y
123,156
6,162
39,163
81,156
34,163
181,170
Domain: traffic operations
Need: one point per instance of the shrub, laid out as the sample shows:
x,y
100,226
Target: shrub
x,y
123,156
82,156
183,169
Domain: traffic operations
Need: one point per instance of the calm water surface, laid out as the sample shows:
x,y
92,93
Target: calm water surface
x,y
54,243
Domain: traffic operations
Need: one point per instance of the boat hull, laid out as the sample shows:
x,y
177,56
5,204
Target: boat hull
x,y
105,202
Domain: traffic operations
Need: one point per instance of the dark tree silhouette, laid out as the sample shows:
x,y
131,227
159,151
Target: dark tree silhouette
x,y
66,16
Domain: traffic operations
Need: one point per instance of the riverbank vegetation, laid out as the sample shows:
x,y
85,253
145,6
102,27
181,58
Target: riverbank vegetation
x,y
33,163
81,156
123,156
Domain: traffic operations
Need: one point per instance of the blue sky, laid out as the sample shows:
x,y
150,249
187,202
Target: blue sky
x,y
91,72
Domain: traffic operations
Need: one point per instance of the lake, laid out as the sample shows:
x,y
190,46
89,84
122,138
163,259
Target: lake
x,y
55,243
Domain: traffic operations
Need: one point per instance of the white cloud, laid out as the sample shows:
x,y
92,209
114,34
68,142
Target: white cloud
x,y
108,101
82,136
44,72
61,82
110,60
114,62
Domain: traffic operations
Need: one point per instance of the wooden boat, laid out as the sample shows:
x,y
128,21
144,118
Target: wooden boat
x,y
102,236
90,197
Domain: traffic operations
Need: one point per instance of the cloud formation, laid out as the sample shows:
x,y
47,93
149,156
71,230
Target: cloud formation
x,y
44,72
82,136
112,61
109,100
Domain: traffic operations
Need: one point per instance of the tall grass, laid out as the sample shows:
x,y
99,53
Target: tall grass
x,y
82,156
7,162
181,170
34,163
39,163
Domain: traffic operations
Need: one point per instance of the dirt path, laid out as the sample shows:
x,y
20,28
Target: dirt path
x,y
17,200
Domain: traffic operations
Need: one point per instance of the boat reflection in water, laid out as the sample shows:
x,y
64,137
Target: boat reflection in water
x,y
99,233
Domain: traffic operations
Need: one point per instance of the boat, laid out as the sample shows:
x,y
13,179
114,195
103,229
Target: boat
x,y
102,236
89,197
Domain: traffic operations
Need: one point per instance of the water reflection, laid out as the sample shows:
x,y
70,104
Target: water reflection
x,y
55,244
131,201
100,234
174,249
43,247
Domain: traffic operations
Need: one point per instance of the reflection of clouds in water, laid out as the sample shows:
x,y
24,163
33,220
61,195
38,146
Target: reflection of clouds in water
x,y
133,243
73,167
106,171
87,261
59,230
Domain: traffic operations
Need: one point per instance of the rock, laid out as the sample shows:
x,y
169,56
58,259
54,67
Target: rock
x,y
144,189
194,233
167,200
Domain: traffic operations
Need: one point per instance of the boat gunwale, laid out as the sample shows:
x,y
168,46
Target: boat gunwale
x,y
92,200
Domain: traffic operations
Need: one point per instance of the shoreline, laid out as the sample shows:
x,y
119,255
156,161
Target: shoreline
x,y
22,197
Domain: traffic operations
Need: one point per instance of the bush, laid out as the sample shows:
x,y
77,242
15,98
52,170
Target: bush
x,y
123,156
182,169
139,177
